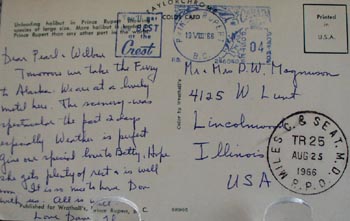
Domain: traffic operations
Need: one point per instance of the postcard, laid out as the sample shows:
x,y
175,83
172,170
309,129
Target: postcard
x,y
174,110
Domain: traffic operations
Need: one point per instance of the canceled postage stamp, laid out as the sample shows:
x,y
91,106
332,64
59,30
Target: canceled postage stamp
x,y
224,34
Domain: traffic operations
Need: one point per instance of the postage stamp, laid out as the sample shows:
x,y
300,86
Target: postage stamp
x,y
139,35
307,153
224,34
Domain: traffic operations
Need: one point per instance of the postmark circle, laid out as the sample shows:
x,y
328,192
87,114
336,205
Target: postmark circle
x,y
200,39
307,153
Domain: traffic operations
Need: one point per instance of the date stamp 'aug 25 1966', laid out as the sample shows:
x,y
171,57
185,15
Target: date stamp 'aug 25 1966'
x,y
307,153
